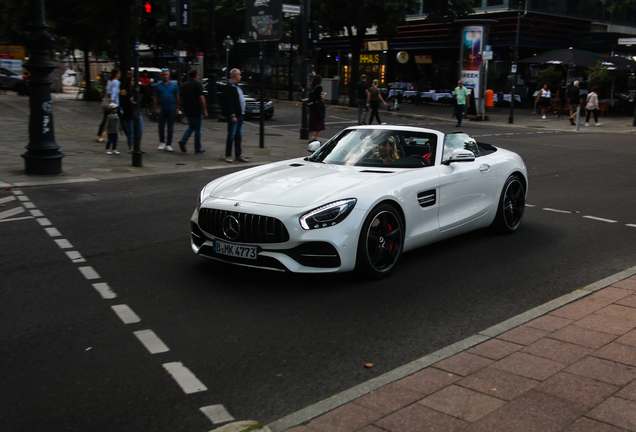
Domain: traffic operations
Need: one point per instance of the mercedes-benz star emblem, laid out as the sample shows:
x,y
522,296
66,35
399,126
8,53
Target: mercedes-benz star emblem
x,y
231,227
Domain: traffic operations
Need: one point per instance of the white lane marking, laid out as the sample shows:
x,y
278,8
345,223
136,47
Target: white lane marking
x,y
18,192
556,211
16,219
631,225
600,219
53,232
126,314
530,205
104,290
217,414
36,213
7,199
89,273
12,212
23,198
28,205
186,379
150,340
63,243
43,221
75,256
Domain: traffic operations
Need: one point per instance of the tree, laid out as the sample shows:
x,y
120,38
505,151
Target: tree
x,y
357,16
550,76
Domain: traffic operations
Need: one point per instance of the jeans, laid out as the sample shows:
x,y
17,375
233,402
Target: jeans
x,y
375,104
234,134
362,105
166,117
194,125
130,125
587,117
459,113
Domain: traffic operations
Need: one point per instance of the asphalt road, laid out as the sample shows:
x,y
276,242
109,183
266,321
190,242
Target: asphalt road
x,y
267,344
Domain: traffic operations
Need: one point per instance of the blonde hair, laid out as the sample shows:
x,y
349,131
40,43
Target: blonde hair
x,y
394,150
376,82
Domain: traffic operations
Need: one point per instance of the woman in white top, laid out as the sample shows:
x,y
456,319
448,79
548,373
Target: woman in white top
x,y
592,107
544,99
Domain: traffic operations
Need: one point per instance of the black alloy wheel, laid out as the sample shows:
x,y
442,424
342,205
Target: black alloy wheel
x,y
381,242
512,205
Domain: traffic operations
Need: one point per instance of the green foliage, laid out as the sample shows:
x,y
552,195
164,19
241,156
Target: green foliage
x,y
94,93
616,5
550,76
598,74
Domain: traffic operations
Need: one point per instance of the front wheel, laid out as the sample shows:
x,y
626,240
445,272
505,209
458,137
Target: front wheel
x,y
512,205
381,242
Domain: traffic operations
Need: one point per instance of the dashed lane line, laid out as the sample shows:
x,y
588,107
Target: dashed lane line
x,y
600,219
151,341
181,374
186,379
126,314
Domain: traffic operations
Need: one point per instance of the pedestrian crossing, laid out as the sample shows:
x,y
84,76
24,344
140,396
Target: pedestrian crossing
x,y
12,208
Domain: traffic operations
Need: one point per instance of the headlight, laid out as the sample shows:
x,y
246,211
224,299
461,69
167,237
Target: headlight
x,y
202,196
328,215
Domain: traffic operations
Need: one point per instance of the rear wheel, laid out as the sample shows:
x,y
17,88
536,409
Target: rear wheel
x,y
512,205
381,242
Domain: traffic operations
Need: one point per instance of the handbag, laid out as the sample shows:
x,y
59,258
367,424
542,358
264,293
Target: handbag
x,y
105,101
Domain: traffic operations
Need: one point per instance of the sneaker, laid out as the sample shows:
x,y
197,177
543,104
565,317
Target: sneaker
x,y
115,151
598,124
162,146
182,146
228,160
199,151
109,152
241,159
543,117
587,124
169,148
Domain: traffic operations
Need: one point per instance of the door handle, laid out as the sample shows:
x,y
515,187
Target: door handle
x,y
484,167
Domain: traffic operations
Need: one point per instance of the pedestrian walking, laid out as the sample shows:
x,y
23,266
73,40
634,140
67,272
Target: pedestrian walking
x,y
111,96
127,112
317,111
461,101
574,97
374,101
362,94
544,100
563,98
234,110
113,125
193,103
592,107
167,96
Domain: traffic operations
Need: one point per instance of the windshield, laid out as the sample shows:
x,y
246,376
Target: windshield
x,y
378,147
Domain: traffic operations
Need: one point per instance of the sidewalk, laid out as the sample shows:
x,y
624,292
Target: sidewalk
x,y
568,365
76,124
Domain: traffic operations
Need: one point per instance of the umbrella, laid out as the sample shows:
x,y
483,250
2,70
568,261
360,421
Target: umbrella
x,y
570,56
619,63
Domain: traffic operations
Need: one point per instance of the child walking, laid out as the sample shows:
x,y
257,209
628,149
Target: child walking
x,y
113,125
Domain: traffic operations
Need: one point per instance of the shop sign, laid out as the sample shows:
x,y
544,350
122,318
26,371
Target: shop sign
x,y
369,58
423,59
377,46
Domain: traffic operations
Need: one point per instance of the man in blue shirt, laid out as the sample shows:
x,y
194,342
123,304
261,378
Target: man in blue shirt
x,y
166,95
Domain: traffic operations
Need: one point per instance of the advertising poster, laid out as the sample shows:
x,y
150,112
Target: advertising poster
x,y
263,20
472,41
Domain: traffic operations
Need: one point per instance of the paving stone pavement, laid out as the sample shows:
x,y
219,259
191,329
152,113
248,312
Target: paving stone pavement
x,y
568,365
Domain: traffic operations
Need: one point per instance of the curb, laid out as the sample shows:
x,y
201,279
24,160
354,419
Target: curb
x,y
329,404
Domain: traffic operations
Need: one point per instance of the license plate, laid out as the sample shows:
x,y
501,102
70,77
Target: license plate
x,y
254,111
229,249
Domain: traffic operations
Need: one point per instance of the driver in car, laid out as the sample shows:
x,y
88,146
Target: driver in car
x,y
387,151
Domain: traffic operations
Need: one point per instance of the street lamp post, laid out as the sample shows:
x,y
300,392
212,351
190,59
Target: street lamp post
x,y
212,101
511,118
304,36
42,155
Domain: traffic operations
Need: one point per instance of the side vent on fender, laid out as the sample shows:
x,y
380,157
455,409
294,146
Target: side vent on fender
x,y
427,198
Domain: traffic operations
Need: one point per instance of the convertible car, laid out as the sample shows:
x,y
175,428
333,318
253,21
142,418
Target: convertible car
x,y
359,201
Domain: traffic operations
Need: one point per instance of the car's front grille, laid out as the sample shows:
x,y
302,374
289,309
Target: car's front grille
x,y
252,228
253,105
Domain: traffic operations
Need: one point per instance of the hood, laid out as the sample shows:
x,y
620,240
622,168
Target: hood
x,y
293,183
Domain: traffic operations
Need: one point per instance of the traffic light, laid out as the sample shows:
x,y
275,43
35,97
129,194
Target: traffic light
x,y
148,19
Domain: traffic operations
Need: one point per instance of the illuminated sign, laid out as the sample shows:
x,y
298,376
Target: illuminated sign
x,y
369,58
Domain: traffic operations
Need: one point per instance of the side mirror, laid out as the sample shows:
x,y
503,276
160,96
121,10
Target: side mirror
x,y
461,155
313,146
